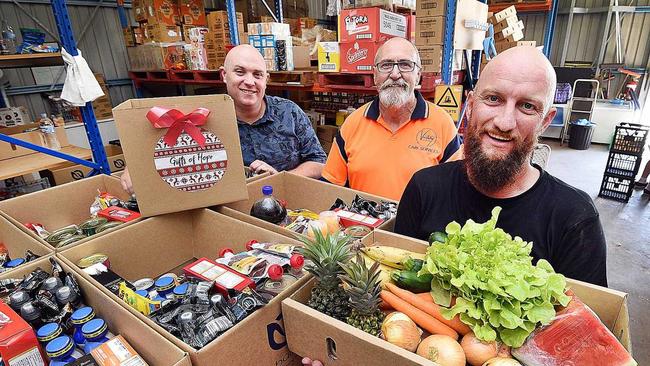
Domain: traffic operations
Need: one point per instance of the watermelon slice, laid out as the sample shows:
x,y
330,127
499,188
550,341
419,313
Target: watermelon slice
x,y
575,337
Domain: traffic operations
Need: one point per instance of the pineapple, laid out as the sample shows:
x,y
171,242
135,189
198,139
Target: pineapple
x,y
363,288
326,253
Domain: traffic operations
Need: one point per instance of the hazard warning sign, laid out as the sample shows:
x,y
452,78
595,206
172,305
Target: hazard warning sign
x,y
449,98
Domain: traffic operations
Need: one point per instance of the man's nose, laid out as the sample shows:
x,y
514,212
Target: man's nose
x,y
507,119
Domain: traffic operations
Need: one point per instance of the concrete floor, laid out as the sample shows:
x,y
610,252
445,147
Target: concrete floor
x,y
627,229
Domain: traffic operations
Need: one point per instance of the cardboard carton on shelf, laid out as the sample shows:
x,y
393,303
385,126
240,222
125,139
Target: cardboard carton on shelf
x,y
429,31
358,56
151,346
329,57
192,12
511,21
502,46
299,193
318,336
430,8
370,24
168,243
139,10
8,151
431,58
514,36
13,116
162,12
163,33
72,172
60,206
508,12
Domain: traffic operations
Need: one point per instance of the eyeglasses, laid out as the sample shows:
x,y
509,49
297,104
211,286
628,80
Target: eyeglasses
x,y
402,65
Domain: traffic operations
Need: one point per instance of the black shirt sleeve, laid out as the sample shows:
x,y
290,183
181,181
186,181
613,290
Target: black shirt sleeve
x,y
583,253
409,211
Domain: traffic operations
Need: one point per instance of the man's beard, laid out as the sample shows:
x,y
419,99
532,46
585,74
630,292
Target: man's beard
x,y
490,174
390,96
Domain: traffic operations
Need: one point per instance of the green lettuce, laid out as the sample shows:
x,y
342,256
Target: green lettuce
x,y
499,293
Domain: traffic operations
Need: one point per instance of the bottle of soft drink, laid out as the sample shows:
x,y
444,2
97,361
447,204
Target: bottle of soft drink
x,y
49,133
268,208
8,41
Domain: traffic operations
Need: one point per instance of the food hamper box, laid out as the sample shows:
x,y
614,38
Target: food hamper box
x,y
169,242
318,336
299,193
60,206
151,346
17,243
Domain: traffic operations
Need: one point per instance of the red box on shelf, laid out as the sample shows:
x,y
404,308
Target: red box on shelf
x,y
224,277
18,343
370,24
358,56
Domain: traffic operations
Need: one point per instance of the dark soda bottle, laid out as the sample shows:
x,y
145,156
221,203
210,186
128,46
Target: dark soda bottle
x,y
268,208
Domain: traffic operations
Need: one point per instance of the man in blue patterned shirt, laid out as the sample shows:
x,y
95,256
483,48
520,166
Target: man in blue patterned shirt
x,y
275,134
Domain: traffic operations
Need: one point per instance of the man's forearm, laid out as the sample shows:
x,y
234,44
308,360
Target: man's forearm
x,y
309,169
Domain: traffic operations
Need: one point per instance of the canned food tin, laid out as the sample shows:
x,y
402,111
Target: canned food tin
x,y
107,226
146,284
94,259
89,227
70,240
62,234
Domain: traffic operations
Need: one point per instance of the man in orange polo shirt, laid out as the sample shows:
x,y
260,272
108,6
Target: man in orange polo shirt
x,y
382,144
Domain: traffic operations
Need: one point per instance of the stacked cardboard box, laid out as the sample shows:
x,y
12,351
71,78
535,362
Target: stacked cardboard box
x,y
195,52
13,116
157,56
385,4
429,33
296,25
274,42
217,40
508,30
362,31
102,106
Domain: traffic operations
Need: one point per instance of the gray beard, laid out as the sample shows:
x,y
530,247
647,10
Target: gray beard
x,y
394,96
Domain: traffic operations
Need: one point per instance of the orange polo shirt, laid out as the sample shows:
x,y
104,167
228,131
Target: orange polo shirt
x,y
367,156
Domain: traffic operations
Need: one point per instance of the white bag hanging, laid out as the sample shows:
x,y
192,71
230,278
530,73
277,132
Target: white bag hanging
x,y
80,84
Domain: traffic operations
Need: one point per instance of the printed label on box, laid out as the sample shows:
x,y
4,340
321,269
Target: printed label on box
x,y
189,167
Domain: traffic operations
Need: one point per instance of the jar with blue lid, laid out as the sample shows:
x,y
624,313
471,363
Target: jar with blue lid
x,y
181,290
61,351
14,263
143,293
95,332
164,286
48,332
78,319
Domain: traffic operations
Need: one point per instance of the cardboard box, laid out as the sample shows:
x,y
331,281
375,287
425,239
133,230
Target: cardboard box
x,y
164,33
279,30
18,342
192,12
502,46
320,337
13,116
430,8
162,12
514,37
129,37
431,58
139,10
517,27
298,192
247,171
219,20
429,31
17,242
166,243
358,56
507,22
196,56
73,172
329,57
410,29
368,24
508,12
183,166
156,56
8,151
61,206
154,348
301,58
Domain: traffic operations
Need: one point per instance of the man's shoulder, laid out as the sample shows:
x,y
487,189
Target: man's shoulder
x,y
573,200
440,172
354,119
280,103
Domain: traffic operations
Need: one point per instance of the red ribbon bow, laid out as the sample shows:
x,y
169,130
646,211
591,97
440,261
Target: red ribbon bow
x,y
177,122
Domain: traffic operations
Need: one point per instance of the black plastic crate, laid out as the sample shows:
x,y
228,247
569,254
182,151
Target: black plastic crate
x,y
629,138
616,188
623,165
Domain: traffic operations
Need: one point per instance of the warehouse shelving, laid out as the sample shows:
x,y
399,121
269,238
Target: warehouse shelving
x,y
30,60
100,162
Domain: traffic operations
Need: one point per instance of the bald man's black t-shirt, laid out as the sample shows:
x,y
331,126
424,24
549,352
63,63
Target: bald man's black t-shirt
x,y
560,220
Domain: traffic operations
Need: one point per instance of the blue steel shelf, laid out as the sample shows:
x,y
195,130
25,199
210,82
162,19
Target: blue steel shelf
x,y
448,45
99,163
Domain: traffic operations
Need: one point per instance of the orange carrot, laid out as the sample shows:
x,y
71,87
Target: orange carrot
x,y
428,306
385,306
424,320
425,296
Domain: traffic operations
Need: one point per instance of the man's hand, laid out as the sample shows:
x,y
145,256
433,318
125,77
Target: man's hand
x,y
309,362
258,166
125,179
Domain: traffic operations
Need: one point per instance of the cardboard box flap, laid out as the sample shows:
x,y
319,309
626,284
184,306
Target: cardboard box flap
x,y
187,175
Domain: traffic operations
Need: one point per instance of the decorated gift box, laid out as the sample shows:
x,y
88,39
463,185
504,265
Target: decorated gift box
x,y
183,152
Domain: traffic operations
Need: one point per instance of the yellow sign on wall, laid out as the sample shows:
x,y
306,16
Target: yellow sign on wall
x,y
449,98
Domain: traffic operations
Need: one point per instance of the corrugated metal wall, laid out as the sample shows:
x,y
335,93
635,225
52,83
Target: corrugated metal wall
x,y
102,47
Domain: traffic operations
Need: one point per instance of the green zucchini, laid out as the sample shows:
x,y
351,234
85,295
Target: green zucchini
x,y
410,280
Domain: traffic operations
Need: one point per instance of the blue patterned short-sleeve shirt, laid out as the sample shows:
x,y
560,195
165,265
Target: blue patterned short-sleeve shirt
x,y
282,138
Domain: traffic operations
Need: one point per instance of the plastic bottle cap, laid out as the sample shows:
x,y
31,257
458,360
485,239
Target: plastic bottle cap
x,y
59,346
52,283
48,332
249,245
15,263
275,272
18,299
216,299
43,115
297,261
143,293
64,295
267,190
164,283
94,328
82,315
144,284
181,289
29,312
224,251
186,317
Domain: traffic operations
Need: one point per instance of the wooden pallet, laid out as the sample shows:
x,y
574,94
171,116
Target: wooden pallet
x,y
296,77
346,81
197,76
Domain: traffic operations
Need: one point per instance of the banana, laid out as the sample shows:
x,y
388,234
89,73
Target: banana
x,y
391,256
385,271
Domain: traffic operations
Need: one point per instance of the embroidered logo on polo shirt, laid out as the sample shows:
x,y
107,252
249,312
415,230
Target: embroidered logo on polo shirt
x,y
426,137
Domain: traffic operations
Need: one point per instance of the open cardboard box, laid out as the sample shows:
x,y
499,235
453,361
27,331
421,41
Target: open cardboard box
x,y
165,243
61,206
17,242
318,336
298,192
71,172
247,171
151,346
8,151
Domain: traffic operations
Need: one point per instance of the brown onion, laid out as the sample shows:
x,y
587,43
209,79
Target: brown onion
x,y
478,352
443,350
401,331
501,361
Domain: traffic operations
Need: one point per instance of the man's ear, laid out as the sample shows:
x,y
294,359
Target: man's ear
x,y
548,119
470,104
222,71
